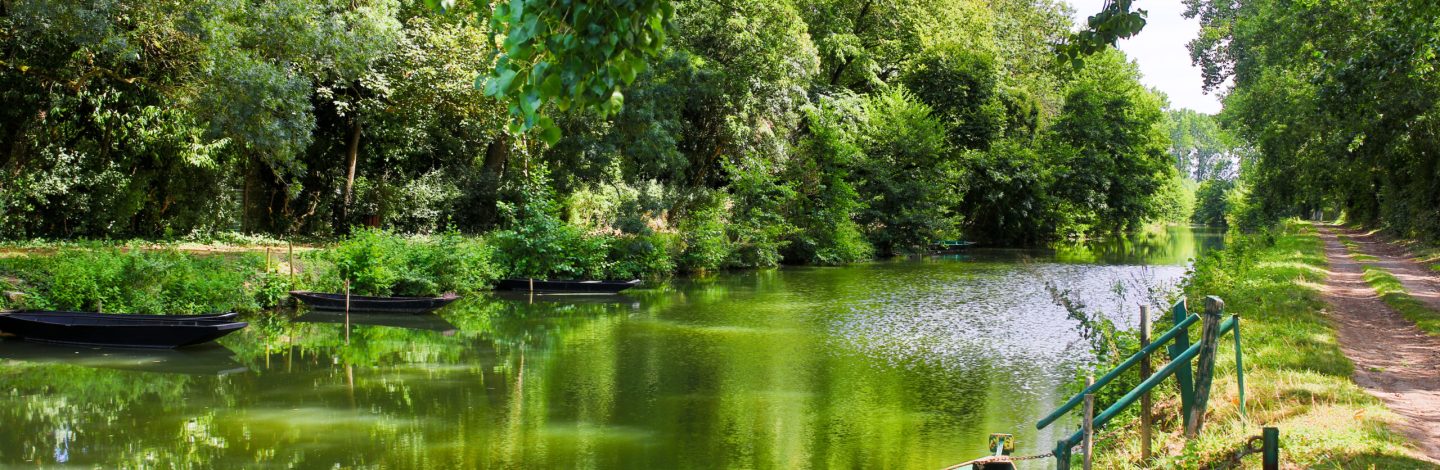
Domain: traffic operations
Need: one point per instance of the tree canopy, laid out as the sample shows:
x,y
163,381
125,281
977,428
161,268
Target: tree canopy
x,y
757,132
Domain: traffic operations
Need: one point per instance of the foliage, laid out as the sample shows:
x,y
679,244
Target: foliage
x,y
960,85
1339,100
909,176
1115,21
825,201
1174,201
1009,198
382,263
757,228
571,54
1115,127
753,133
536,243
1201,149
1212,202
703,233
134,280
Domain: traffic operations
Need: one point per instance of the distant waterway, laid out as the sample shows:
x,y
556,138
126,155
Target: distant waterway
x,y
907,363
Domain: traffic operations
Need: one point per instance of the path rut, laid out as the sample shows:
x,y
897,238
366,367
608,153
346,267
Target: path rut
x,y
1393,360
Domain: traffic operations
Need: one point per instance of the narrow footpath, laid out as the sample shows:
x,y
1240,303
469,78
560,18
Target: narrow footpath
x,y
1393,360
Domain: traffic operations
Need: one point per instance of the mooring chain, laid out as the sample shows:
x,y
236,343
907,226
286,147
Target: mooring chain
x,y
1253,445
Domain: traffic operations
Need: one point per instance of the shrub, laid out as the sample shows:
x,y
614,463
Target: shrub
x,y
137,281
379,262
702,234
637,256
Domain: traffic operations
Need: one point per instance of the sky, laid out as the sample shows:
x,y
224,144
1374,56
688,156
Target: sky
x,y
1160,50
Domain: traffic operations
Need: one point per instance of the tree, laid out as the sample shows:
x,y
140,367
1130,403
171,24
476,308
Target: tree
x,y
909,176
1114,126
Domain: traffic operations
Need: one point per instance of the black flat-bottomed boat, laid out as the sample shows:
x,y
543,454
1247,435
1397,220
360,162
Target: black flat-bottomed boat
x,y
112,330
362,303
549,286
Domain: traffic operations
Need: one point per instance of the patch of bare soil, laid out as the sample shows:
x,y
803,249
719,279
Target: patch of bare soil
x,y
1393,360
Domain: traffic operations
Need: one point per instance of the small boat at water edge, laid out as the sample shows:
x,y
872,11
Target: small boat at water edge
x,y
116,330
952,245
547,286
362,303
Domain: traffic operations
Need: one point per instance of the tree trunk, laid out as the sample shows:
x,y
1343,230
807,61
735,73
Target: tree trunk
x,y
497,154
352,155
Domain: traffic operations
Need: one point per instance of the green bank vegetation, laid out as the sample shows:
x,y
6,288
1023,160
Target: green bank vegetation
x,y
1296,377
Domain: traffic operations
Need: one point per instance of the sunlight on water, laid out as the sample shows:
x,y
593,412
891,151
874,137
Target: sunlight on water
x,y
897,364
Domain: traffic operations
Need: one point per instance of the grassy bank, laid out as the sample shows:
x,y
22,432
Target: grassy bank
x,y
1296,377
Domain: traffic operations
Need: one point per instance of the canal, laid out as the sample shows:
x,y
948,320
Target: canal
x,y
907,363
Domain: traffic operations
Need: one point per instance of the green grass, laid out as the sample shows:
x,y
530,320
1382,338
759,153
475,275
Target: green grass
x,y
1395,295
1296,377
1354,249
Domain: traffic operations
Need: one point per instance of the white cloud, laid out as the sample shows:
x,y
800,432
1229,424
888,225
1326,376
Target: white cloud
x,y
1160,50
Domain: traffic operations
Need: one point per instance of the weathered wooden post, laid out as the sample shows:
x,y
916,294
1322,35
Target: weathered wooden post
x,y
1145,374
1182,375
1205,368
1088,443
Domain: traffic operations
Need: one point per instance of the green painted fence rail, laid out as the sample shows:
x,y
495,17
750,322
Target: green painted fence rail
x,y
1181,352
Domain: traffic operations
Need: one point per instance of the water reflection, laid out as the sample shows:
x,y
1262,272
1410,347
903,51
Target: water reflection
x,y
206,360
892,364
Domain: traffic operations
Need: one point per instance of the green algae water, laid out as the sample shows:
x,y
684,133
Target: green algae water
x,y
895,364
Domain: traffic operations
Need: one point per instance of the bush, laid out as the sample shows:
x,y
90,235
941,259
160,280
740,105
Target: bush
x,y
637,256
138,281
379,262
702,235
825,202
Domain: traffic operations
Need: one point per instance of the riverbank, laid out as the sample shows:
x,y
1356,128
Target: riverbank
x,y
1297,377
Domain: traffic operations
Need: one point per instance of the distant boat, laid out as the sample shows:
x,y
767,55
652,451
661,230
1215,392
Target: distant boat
x,y
362,303
952,245
543,286
117,330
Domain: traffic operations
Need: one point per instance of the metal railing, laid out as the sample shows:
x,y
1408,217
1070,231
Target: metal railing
x,y
1194,385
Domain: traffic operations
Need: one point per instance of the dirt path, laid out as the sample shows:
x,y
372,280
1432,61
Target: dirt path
x,y
1393,360
1418,279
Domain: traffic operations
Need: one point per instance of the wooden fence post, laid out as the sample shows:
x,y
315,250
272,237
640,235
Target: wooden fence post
x,y
1088,443
1145,374
1205,364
